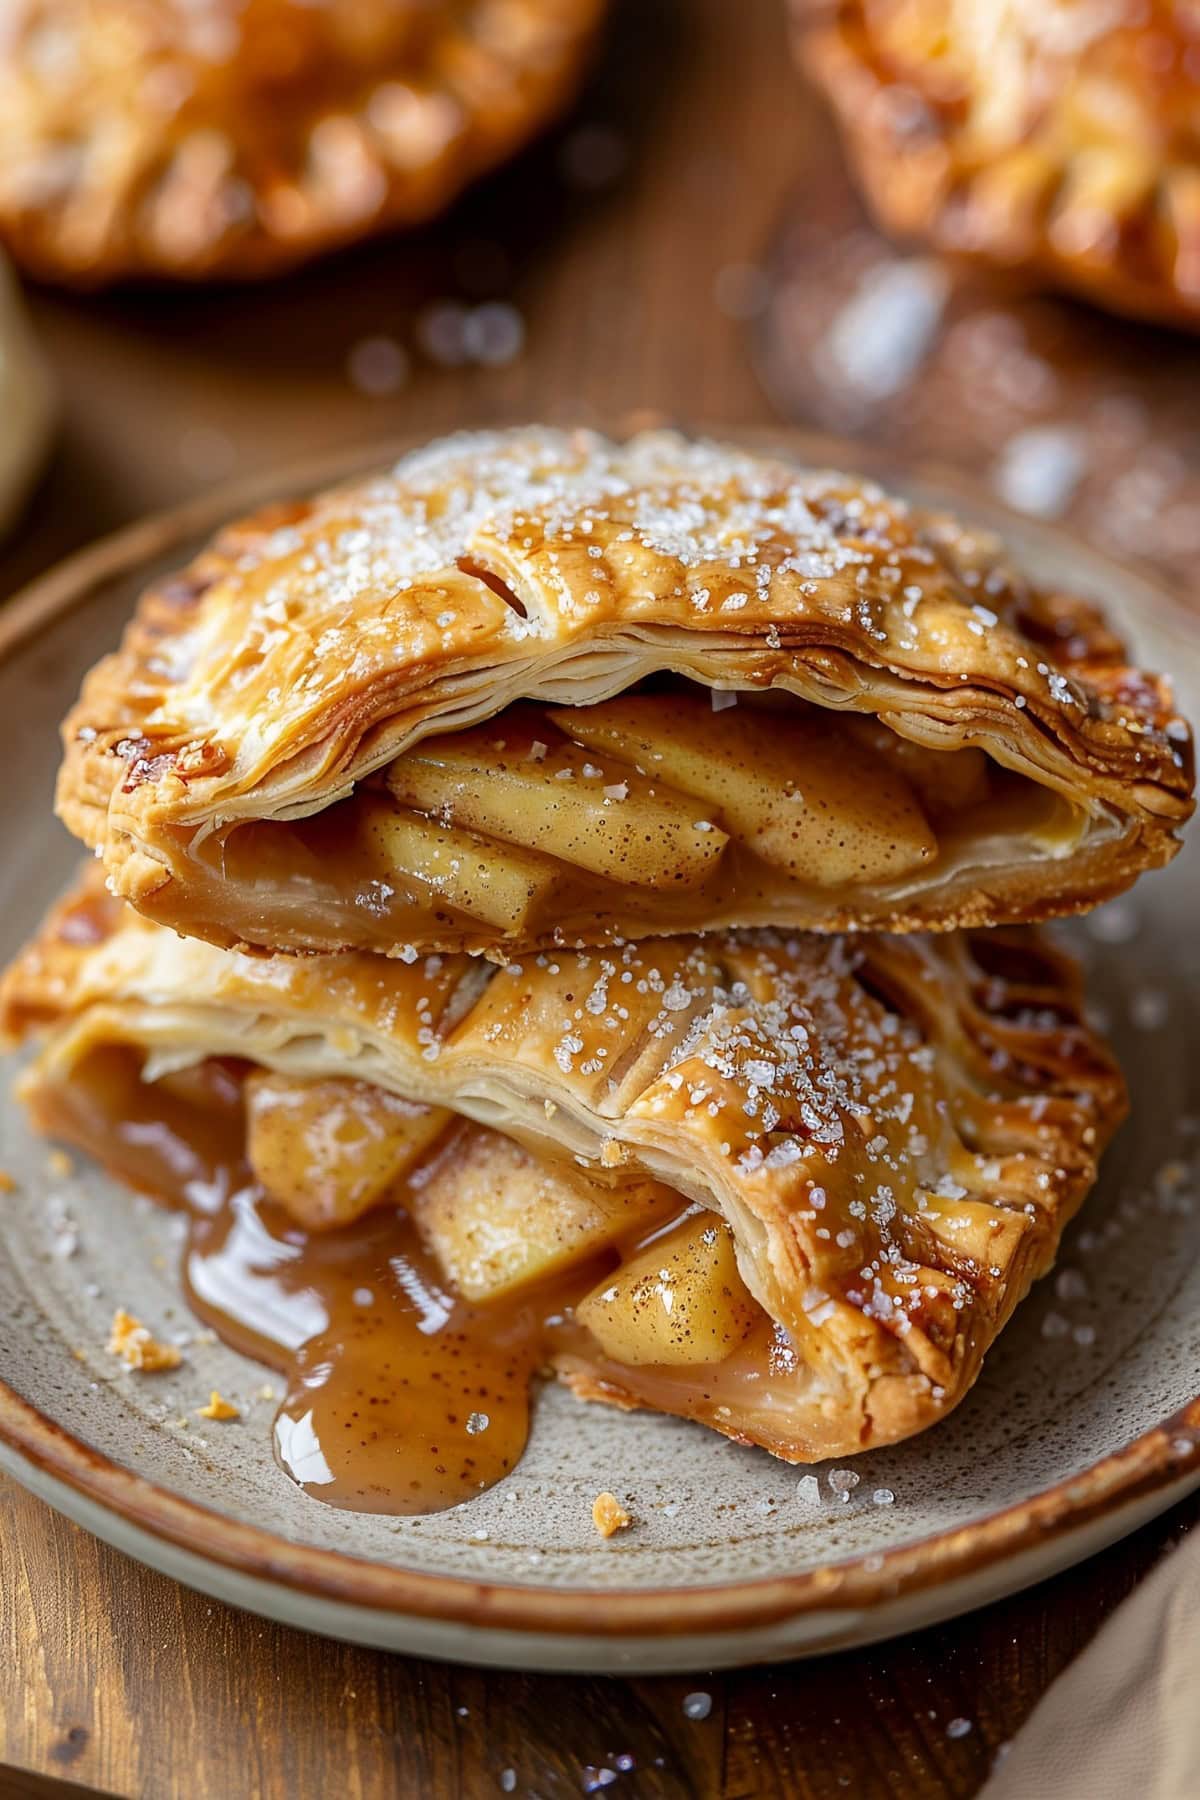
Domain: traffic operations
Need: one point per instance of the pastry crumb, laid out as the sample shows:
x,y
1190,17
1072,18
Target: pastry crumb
x,y
218,1408
609,1516
7,1182
60,1165
138,1348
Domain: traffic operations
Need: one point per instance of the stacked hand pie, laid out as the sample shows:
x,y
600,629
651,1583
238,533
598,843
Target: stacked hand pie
x,y
563,905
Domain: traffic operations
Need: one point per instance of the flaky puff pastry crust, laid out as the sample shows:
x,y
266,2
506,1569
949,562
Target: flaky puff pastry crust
x,y
895,1129
237,137
312,643
1058,137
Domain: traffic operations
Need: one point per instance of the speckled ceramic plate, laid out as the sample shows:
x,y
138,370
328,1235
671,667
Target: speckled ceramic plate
x,y
1086,1420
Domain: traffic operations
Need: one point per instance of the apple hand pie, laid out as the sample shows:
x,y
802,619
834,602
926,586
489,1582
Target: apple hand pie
x,y
792,1187
1055,136
531,689
236,137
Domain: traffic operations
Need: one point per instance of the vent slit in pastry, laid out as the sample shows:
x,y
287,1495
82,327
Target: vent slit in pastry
x,y
496,582
536,689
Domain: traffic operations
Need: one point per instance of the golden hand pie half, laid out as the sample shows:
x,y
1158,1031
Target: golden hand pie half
x,y
791,1187
148,137
534,688
1055,136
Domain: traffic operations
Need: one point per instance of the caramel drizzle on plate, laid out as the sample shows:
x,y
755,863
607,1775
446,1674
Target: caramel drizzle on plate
x,y
401,1396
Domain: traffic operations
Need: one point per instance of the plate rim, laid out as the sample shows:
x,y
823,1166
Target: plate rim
x,y
1157,1458
1151,1461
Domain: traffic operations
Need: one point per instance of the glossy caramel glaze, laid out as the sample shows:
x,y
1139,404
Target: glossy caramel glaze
x,y
401,1396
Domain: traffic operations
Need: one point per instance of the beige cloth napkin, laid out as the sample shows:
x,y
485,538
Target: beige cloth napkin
x,y
1124,1718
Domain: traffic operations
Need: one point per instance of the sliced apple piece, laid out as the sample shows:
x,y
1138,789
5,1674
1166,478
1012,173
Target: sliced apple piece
x,y
497,1216
499,884
792,785
328,1150
946,781
679,1300
518,779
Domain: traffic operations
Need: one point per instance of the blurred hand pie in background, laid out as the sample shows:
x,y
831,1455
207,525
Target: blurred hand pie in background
x,y
1058,137
218,139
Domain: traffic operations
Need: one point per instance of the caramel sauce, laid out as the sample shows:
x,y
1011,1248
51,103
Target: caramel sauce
x,y
401,1396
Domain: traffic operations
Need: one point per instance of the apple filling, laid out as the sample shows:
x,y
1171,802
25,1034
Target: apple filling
x,y
661,810
392,1257
498,1218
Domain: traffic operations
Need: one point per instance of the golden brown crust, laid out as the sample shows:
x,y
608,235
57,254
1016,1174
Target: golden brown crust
x,y
310,644
215,139
1056,137
896,1130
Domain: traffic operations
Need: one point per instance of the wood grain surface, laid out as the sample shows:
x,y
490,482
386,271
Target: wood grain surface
x,y
630,245
119,1679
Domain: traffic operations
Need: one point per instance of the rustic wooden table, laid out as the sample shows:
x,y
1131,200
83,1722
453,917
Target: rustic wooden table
x,y
629,248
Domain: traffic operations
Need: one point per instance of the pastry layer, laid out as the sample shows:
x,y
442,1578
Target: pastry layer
x,y
256,763
894,1130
